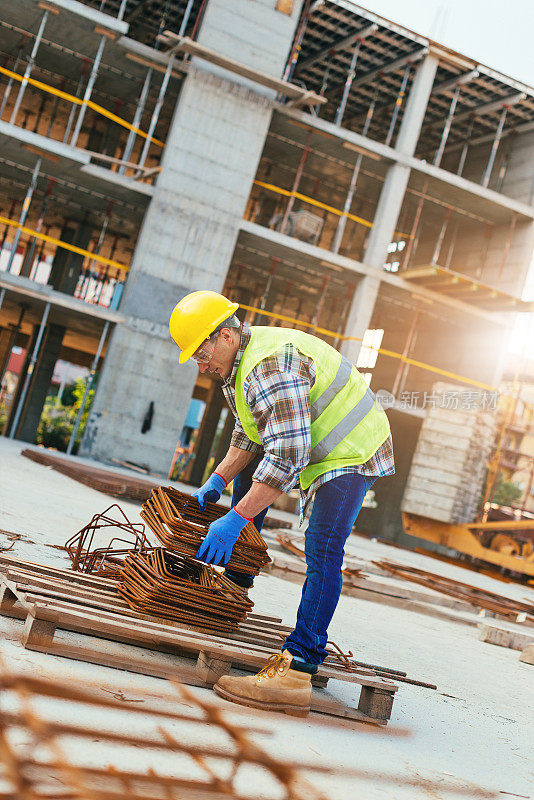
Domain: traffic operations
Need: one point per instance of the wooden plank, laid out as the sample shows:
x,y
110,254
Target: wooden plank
x,y
254,640
68,574
376,703
260,621
117,628
210,669
89,593
254,637
527,656
505,637
321,702
270,633
10,605
38,634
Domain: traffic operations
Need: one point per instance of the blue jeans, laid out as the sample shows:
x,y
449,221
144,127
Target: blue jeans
x,y
335,509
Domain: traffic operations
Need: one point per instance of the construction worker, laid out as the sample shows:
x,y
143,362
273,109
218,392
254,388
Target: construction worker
x,y
304,415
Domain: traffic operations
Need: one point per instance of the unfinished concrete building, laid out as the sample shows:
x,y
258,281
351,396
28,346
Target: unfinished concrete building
x,y
312,160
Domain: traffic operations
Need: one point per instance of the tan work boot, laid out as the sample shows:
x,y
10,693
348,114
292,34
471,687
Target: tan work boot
x,y
276,687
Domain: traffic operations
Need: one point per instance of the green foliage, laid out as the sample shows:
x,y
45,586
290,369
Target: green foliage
x,y
58,419
3,418
68,397
506,493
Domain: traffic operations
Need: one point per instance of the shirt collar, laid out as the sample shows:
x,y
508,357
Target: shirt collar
x,y
246,333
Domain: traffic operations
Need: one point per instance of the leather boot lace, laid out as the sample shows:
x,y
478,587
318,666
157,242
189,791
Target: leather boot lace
x,y
273,665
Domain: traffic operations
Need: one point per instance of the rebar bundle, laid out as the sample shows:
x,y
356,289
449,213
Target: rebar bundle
x,y
180,588
180,525
119,536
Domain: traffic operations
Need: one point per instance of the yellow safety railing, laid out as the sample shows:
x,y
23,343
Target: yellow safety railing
x,y
271,187
65,245
89,103
391,353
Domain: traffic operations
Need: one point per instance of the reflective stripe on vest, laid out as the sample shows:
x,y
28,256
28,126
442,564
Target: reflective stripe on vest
x,y
347,424
341,379
340,431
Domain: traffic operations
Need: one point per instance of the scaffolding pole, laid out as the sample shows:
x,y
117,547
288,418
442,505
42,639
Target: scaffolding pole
x,y
29,68
73,106
398,105
24,213
494,147
295,52
136,121
295,187
40,221
13,333
88,387
342,222
319,306
88,91
10,82
463,155
29,372
348,83
507,245
185,20
156,112
441,236
402,371
411,244
447,127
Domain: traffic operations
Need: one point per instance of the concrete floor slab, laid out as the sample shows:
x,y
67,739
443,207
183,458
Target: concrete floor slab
x,y
470,738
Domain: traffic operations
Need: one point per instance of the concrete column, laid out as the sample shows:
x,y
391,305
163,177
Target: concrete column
x,y
190,230
389,206
40,383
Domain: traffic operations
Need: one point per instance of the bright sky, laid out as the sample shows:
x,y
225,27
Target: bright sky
x,y
498,33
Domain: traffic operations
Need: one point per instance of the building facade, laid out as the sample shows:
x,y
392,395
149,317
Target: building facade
x,y
312,160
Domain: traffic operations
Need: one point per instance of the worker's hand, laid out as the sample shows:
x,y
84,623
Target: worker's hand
x,y
222,535
211,490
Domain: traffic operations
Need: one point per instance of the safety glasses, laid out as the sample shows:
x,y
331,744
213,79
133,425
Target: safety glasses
x,y
204,353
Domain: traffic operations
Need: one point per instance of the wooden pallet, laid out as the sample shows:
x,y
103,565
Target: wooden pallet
x,y
47,599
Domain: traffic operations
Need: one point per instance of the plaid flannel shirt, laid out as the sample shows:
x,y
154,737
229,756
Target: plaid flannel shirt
x,y
277,392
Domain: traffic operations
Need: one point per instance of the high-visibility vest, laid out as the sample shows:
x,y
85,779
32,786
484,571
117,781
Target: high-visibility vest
x,y
348,425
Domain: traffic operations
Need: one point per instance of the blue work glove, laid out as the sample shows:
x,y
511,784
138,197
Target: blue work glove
x,y
222,535
211,490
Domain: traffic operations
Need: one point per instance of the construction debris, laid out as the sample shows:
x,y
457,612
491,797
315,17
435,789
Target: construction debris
x,y
180,525
49,598
527,656
480,598
115,484
43,722
122,537
505,637
181,588
288,544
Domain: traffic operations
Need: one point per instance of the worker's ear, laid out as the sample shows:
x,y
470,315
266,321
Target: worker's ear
x,y
226,334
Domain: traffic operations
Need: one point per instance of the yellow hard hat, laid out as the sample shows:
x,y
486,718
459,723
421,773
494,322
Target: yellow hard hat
x,y
195,317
